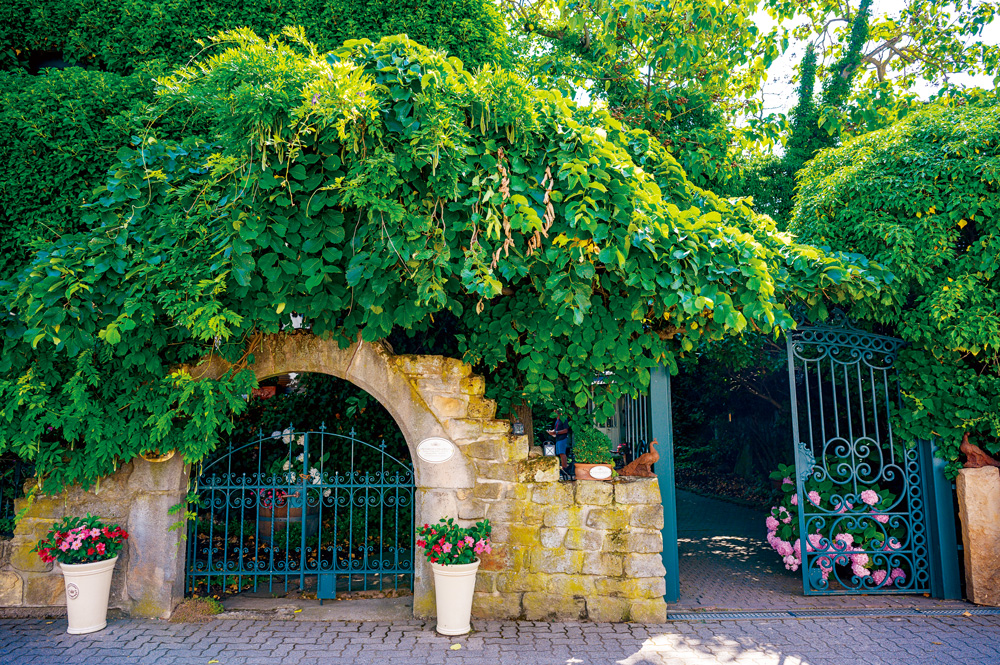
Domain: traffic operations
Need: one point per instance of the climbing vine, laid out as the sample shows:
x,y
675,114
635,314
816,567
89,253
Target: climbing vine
x,y
368,190
923,199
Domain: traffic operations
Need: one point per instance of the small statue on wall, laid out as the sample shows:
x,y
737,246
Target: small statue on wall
x,y
975,457
642,465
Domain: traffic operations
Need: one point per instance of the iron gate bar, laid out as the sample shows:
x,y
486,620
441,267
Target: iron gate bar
x,y
322,484
855,431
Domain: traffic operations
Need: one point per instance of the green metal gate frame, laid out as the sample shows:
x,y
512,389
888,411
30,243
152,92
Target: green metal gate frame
x,y
938,511
322,480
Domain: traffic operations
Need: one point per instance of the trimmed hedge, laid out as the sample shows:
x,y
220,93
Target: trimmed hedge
x,y
118,35
59,132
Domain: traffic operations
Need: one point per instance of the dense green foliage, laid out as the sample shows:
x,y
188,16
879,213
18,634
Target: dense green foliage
x,y
59,132
368,190
591,445
125,35
923,198
320,400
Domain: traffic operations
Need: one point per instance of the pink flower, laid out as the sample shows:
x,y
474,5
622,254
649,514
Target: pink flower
x,y
814,498
772,524
101,548
897,573
469,540
64,545
846,539
878,576
446,547
94,533
814,542
786,481
860,570
860,558
76,545
795,499
870,497
881,519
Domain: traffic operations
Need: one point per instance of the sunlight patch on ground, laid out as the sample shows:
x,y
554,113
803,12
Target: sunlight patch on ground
x,y
677,649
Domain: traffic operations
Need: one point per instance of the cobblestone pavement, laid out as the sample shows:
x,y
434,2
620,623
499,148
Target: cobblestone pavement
x,y
932,640
725,563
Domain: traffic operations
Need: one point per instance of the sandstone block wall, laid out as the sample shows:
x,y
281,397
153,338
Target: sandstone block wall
x,y
148,579
979,511
587,550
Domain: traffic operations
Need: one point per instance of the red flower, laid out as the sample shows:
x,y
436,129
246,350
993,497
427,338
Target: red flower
x,y
90,551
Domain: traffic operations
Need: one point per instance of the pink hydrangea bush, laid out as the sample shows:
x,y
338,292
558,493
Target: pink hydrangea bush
x,y
851,548
449,544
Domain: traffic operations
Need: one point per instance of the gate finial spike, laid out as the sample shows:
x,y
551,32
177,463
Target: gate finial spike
x,y
322,426
352,433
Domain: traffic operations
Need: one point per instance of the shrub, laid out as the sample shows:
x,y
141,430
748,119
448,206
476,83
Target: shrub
x,y
59,133
922,198
591,445
119,35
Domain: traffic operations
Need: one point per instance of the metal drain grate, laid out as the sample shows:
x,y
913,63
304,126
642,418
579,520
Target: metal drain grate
x,y
826,614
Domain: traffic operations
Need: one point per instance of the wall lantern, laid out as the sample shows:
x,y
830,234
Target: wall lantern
x,y
549,449
517,429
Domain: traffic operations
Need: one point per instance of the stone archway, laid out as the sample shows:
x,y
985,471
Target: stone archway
x,y
579,550
427,396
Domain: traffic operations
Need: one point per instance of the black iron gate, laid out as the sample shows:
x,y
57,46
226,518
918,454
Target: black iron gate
x,y
311,511
859,489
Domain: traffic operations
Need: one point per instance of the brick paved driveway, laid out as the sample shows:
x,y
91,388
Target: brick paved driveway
x,y
725,563
932,640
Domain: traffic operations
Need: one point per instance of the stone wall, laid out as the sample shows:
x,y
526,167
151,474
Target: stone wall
x,y
979,511
575,550
148,579
563,550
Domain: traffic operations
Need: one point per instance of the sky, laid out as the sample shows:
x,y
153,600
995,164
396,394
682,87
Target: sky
x,y
779,91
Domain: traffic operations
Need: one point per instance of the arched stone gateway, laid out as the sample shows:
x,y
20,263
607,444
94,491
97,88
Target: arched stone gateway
x,y
428,397
587,549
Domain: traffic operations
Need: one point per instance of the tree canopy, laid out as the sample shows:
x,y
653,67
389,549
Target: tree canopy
x,y
922,198
370,189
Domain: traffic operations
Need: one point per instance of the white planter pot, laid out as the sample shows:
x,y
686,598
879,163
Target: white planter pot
x,y
453,589
88,586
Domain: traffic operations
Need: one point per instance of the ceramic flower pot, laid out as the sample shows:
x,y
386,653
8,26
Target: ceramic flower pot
x,y
277,519
593,471
453,589
88,586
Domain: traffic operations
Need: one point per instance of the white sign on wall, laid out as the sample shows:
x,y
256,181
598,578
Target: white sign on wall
x,y
435,450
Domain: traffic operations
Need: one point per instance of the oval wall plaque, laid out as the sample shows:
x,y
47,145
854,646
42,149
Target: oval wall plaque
x,y
600,472
435,450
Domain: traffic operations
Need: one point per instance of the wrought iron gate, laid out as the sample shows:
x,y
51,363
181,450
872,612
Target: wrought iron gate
x,y
297,509
859,490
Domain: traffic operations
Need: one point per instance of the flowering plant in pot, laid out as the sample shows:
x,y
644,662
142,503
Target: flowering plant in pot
x,y
592,453
86,550
453,552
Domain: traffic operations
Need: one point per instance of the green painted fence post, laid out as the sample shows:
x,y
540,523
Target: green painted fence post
x,y
661,429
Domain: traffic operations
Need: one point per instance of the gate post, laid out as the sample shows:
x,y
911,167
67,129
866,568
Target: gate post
x,y
661,429
940,517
